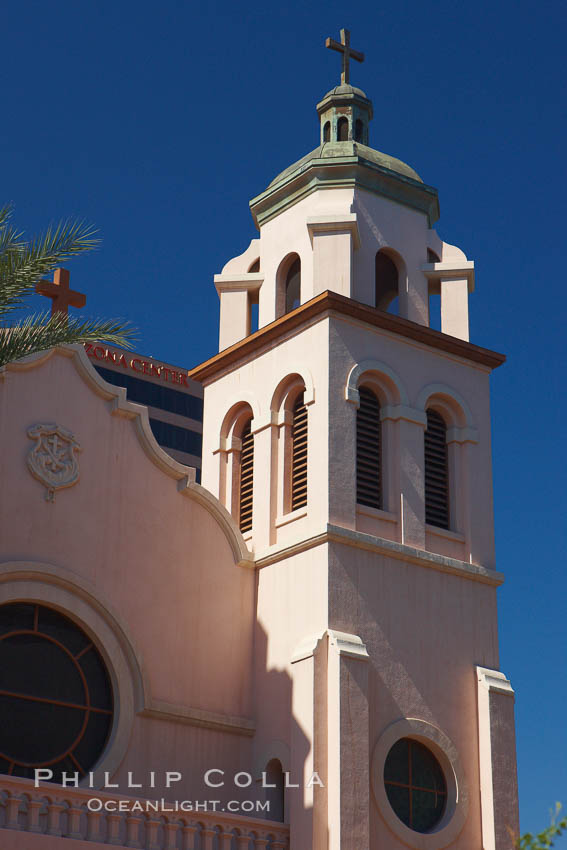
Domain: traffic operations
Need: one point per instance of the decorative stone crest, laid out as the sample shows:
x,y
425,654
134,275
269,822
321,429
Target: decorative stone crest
x,y
53,459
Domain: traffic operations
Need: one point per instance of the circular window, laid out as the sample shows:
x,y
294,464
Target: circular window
x,y
415,785
56,705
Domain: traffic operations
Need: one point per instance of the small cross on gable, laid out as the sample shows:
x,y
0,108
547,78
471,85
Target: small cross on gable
x,y
347,51
62,297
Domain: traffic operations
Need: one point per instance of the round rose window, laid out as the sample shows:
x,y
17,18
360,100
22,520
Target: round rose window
x,y
415,785
56,704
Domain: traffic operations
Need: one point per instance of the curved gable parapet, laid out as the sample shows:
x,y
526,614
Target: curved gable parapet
x,y
452,253
120,406
241,554
241,264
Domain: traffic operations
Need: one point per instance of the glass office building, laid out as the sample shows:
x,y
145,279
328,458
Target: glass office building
x,y
174,401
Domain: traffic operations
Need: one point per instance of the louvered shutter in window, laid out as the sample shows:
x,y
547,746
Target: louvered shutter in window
x,y
246,478
436,471
299,455
368,450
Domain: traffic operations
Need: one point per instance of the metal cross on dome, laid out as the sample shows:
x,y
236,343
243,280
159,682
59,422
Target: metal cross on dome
x,y
347,51
61,295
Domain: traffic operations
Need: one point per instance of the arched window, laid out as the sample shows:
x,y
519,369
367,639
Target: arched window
x,y
246,485
293,286
57,703
342,130
275,790
386,280
358,130
327,131
299,454
255,267
368,450
436,471
236,467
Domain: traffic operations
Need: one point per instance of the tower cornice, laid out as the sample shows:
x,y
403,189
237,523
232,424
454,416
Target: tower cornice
x,y
331,303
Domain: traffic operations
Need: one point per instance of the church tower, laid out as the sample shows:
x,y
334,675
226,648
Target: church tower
x,y
351,443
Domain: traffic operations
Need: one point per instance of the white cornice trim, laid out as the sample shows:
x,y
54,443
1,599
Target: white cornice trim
x,y
120,406
348,644
456,270
494,680
344,643
334,224
398,551
250,282
417,556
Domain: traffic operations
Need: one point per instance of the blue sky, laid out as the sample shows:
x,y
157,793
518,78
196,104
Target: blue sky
x,y
159,122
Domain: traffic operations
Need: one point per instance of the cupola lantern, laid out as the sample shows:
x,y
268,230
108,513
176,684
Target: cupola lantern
x,y
345,111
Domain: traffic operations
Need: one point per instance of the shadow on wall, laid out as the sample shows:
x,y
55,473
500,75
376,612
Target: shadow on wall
x,y
288,802
276,724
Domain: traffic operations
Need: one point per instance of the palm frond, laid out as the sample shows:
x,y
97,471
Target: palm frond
x,y
5,214
23,263
40,331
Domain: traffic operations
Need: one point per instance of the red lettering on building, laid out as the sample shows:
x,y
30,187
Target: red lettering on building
x,y
147,367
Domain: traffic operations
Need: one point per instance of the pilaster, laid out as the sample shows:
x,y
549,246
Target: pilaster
x,y
333,239
347,743
497,759
330,708
454,280
455,307
411,427
265,479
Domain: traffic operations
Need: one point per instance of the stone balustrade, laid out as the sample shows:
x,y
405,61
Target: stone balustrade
x,y
66,814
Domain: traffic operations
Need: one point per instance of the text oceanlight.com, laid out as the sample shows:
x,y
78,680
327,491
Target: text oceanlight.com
x,y
95,804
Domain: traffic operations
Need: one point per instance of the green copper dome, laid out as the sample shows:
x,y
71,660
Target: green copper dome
x,y
338,150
